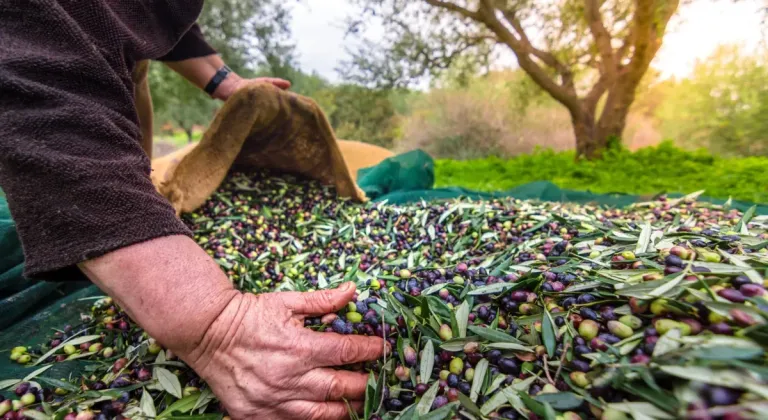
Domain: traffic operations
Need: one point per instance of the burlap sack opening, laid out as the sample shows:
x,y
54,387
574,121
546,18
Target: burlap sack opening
x,y
262,126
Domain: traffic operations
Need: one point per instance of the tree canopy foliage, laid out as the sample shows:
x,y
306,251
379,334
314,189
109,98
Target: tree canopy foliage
x,y
581,52
248,34
722,106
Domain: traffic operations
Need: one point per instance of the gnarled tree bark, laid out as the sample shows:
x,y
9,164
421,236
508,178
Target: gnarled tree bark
x,y
620,69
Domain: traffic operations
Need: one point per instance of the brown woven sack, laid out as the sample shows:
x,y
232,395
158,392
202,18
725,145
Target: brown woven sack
x,y
260,126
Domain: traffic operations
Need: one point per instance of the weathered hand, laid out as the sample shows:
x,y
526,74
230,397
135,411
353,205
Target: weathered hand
x,y
262,363
234,82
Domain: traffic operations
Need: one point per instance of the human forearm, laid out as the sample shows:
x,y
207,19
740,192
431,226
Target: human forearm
x,y
199,71
176,292
169,286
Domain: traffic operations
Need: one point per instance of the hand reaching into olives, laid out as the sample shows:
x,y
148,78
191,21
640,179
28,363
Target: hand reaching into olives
x,y
252,350
262,363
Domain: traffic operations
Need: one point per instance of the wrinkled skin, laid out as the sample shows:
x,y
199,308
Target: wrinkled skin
x,y
252,350
262,363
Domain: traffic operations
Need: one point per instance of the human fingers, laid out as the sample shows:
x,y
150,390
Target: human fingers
x,y
333,385
331,349
319,303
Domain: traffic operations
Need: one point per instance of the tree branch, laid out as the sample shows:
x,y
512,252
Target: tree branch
x,y
648,30
545,57
621,53
593,97
565,94
452,7
602,38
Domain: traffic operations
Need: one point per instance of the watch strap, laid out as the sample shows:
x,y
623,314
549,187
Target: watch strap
x,y
216,80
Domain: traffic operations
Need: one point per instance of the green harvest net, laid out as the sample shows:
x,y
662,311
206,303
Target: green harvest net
x,y
30,310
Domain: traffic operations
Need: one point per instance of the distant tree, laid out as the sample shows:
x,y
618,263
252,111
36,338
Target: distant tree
x,y
363,114
177,101
722,105
589,55
248,35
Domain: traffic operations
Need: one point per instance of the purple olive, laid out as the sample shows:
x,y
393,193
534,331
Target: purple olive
x,y
606,312
465,387
721,328
393,404
509,366
519,296
587,313
410,356
731,294
673,261
752,290
580,365
439,402
421,389
739,281
722,396
144,374
21,388
493,356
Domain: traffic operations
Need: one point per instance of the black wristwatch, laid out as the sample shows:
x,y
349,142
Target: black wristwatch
x,y
219,77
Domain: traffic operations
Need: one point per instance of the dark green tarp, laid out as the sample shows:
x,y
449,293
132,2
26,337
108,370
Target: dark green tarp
x,y
410,177
29,311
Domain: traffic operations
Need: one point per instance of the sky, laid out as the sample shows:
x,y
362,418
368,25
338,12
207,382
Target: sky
x,y
694,33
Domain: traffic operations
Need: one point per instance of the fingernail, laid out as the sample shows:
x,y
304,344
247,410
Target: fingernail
x,y
347,286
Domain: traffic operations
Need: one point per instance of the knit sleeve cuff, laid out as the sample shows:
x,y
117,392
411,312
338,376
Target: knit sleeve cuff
x,y
191,45
60,264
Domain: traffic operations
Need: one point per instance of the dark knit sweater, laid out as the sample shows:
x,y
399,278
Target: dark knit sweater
x,y
71,164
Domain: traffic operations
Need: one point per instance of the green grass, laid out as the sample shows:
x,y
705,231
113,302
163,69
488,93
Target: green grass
x,y
664,168
179,139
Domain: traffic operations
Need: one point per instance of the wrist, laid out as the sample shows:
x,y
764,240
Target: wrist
x,y
218,333
227,87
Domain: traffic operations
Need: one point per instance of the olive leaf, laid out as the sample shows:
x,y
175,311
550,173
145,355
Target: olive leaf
x,y
427,362
462,318
492,335
548,333
427,399
72,341
721,377
7,383
433,289
36,373
457,344
510,346
497,400
752,274
204,398
561,400
168,381
549,412
370,393
147,404
666,287
35,415
741,226
441,413
641,407
493,289
183,406
477,381
468,404
644,239
59,384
